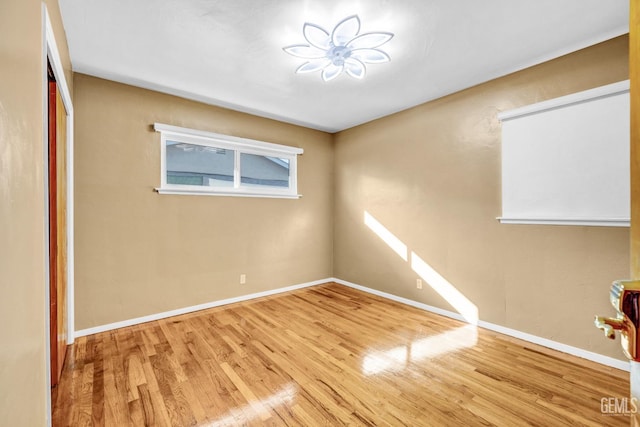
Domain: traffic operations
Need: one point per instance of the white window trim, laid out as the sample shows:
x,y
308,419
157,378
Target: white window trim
x,y
239,146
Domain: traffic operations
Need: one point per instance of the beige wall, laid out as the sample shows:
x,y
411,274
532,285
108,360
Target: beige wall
x,y
61,40
431,176
22,267
140,253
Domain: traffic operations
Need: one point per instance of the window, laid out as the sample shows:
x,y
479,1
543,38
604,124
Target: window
x,y
198,162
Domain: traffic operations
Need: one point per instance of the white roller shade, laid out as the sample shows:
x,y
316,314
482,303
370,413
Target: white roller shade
x,y
566,160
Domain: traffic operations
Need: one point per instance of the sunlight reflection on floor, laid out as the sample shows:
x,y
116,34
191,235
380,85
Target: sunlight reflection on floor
x,y
398,358
257,408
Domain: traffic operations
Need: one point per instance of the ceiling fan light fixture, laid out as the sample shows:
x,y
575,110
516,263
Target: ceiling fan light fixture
x,y
342,50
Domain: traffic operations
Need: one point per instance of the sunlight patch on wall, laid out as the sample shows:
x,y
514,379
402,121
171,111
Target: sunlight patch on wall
x,y
442,286
453,296
388,237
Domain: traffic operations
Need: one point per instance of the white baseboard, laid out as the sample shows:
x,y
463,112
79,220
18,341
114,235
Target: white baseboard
x,y
191,309
575,351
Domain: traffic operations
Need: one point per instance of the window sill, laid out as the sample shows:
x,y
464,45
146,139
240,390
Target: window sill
x,y
226,193
596,222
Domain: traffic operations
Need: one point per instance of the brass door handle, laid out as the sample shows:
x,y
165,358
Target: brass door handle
x,y
609,326
625,299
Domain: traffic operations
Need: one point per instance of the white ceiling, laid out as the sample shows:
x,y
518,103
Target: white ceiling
x,y
229,52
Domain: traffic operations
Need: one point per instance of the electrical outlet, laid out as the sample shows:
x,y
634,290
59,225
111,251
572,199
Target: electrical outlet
x,y
419,283
243,279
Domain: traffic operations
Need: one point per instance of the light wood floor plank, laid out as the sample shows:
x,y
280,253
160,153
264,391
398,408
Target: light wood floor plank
x,y
323,356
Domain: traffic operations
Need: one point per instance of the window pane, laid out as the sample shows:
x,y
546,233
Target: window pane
x,y
191,164
263,171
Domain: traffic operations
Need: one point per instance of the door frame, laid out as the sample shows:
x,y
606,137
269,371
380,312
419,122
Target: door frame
x,y
51,53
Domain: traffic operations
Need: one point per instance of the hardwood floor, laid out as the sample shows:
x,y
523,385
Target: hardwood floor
x,y
326,355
